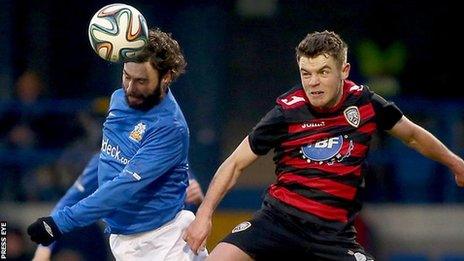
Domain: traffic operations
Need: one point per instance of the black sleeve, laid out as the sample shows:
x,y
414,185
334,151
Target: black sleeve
x,y
267,134
387,114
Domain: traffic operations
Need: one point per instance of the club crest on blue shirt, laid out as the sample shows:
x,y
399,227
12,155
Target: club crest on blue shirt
x,y
327,150
352,116
137,134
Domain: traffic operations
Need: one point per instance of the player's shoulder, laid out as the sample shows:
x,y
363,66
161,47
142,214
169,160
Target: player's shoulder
x,y
366,94
169,127
170,116
356,89
117,98
168,110
117,94
293,98
356,93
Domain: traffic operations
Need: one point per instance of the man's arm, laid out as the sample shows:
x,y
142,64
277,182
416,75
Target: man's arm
x,y
162,150
428,145
224,179
84,185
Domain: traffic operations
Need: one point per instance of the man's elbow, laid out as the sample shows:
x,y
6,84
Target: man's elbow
x,y
409,138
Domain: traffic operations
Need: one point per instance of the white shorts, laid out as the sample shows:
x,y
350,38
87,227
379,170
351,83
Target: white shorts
x,y
163,243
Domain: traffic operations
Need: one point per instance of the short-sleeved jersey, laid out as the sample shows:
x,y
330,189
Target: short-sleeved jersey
x,y
319,155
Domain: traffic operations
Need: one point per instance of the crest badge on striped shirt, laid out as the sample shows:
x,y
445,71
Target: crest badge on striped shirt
x,y
352,116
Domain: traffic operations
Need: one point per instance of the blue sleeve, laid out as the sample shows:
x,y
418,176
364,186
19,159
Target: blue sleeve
x,y
85,185
161,150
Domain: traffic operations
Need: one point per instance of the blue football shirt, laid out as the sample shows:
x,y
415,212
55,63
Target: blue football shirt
x,y
142,171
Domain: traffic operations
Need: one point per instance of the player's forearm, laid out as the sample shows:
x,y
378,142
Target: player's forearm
x,y
224,179
428,145
101,203
43,253
71,197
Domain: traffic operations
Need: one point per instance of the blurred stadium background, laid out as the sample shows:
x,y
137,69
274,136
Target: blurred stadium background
x,y
240,53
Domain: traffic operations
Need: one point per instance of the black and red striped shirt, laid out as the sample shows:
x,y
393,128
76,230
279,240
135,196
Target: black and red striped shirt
x,y
319,155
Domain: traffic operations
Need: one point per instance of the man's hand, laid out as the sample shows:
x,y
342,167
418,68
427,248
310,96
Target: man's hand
x,y
197,233
458,171
194,193
44,231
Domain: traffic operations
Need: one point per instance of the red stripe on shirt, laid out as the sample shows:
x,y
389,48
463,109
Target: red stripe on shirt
x,y
335,168
366,111
368,128
359,150
309,206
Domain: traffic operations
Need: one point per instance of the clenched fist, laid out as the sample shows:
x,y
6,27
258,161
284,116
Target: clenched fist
x,y
44,231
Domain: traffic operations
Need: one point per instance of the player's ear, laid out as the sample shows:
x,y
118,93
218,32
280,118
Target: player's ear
x,y
346,70
167,78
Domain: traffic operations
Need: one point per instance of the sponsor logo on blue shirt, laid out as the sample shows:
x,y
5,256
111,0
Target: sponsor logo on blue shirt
x,y
113,151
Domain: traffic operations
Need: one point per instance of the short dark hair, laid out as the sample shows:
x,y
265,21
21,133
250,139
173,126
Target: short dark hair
x,y
317,43
163,53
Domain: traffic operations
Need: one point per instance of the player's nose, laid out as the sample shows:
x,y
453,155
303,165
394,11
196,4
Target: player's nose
x,y
130,88
314,81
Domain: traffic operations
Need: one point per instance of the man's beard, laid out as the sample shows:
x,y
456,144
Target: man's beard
x,y
148,101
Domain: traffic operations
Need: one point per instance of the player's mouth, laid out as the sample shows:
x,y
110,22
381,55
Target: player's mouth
x,y
134,99
316,94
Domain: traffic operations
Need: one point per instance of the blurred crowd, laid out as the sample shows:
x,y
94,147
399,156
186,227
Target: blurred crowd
x,y
44,143
44,146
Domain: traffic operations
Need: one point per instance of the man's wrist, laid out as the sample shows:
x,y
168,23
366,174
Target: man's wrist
x,y
454,161
204,212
